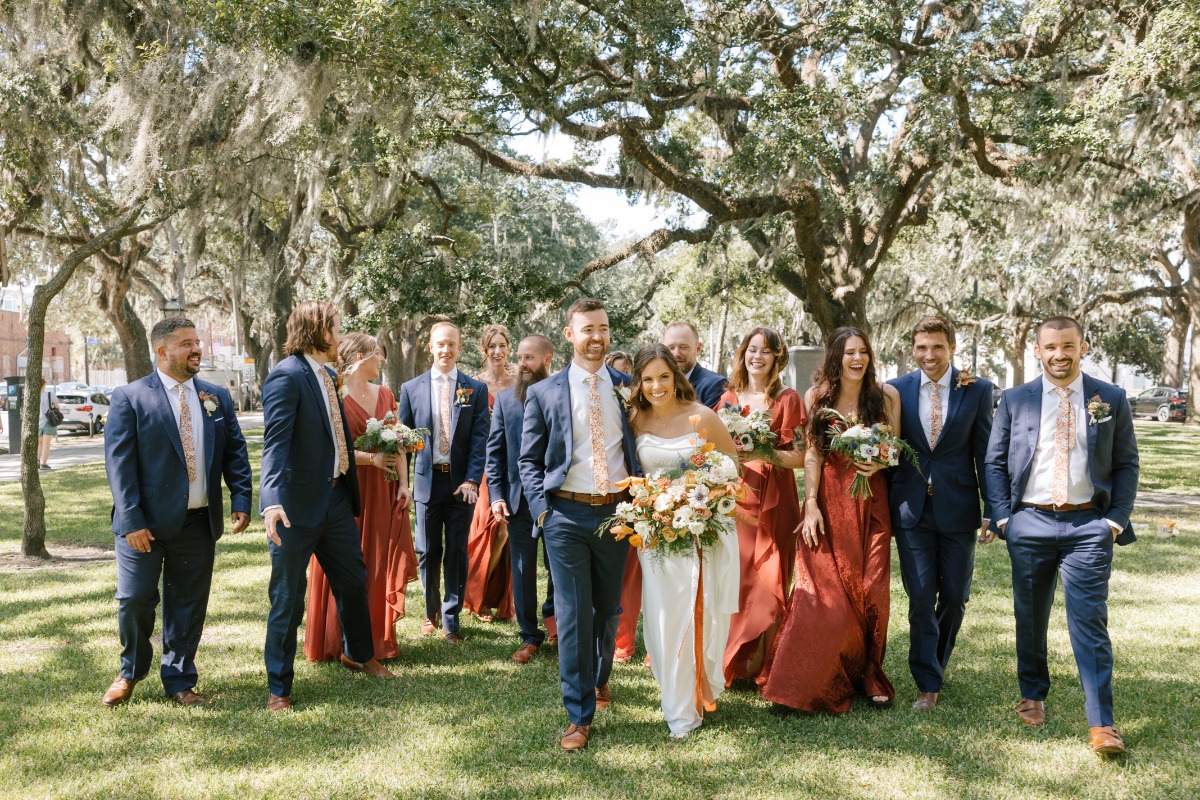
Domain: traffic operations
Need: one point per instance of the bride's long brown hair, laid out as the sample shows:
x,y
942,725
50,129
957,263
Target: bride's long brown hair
x,y
827,384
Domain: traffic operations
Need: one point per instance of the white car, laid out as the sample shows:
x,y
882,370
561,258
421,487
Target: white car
x,y
83,411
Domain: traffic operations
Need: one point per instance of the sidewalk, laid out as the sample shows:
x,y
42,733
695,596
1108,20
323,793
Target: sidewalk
x,y
70,451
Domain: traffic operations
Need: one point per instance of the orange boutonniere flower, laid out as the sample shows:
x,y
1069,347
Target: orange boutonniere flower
x,y
209,402
463,396
965,379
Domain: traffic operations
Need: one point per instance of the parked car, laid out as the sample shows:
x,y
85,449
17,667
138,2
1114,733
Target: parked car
x,y
83,411
104,390
1164,403
71,386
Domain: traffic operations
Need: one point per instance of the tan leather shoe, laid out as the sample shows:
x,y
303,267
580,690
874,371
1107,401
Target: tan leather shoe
x,y
603,697
1106,741
190,698
576,738
120,692
524,653
1032,712
428,627
453,637
275,703
372,668
925,701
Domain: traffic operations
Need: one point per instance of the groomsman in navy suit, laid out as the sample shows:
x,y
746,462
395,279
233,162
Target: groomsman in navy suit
x,y
1063,470
946,415
683,340
446,473
169,441
308,494
534,355
576,447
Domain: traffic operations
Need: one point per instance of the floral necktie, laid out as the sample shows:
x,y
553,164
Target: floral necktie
x,y
185,433
596,422
935,414
335,419
444,426
1064,440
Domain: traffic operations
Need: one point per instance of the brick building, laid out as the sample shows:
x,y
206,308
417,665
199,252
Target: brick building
x,y
13,333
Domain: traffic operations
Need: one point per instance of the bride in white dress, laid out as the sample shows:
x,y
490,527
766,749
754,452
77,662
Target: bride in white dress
x,y
687,599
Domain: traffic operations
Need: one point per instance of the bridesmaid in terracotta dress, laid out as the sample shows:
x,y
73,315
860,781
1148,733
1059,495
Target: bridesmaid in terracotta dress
x,y
833,635
768,517
386,533
489,560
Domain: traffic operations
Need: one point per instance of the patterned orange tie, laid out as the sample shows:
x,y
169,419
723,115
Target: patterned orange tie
x,y
935,414
335,419
1064,440
185,433
444,426
596,422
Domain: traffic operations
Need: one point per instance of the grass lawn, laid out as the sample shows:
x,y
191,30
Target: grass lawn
x,y
466,721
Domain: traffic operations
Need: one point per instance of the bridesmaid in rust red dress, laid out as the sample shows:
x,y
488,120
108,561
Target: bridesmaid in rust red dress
x,y
768,516
489,560
835,630
386,533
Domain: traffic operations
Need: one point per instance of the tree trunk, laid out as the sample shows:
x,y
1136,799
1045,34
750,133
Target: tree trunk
x,y
719,366
1172,371
116,277
1191,298
902,360
33,531
1016,356
404,351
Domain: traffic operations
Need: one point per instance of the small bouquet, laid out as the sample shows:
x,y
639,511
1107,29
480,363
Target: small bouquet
x,y
389,435
751,432
862,444
682,509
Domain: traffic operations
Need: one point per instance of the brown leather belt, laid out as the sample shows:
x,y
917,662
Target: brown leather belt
x,y
195,512
441,467
1063,507
593,499
337,481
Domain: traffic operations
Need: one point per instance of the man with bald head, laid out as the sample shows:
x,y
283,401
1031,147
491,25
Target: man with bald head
x,y
534,355
683,340
446,473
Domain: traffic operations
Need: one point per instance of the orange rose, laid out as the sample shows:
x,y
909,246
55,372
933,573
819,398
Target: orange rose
x,y
635,540
621,530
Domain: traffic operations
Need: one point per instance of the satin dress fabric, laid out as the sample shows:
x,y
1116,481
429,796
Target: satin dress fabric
x,y
489,589
687,602
834,633
766,525
388,551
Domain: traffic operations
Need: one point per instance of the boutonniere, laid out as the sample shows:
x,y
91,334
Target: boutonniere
x,y
1098,411
623,395
463,396
209,402
965,379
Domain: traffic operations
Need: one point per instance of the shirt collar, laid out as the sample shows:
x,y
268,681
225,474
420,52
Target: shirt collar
x,y
316,365
436,374
170,383
1076,386
579,375
944,381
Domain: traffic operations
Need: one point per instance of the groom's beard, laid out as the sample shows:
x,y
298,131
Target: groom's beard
x,y
527,378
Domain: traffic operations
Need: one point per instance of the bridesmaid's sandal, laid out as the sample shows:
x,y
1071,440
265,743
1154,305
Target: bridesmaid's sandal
x,y
879,701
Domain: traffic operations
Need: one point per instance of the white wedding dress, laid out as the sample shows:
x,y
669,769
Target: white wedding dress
x,y
689,669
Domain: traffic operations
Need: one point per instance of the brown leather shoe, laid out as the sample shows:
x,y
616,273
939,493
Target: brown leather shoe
x,y
275,703
1032,712
190,698
925,701
576,738
428,627
453,637
1106,741
120,692
524,653
603,697
372,668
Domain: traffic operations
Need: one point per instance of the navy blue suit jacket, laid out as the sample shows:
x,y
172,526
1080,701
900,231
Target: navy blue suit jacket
x,y
546,438
501,463
709,386
1112,451
143,456
298,449
956,467
470,424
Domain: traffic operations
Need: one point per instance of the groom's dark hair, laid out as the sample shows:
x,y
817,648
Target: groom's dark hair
x,y
1060,323
582,306
934,325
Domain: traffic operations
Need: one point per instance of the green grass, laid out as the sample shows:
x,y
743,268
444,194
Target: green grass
x,y
1168,455
466,721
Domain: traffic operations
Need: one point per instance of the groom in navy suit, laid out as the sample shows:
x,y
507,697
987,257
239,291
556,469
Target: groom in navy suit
x,y
446,473
946,415
576,448
1063,470
309,498
169,441
509,503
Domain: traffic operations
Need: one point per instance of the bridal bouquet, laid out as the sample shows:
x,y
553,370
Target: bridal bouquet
x,y
680,509
751,432
389,435
865,444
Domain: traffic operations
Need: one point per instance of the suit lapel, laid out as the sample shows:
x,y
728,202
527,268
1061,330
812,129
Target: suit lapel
x,y
630,448
954,399
455,408
166,416
317,386
206,422
1033,415
911,398
563,385
1090,389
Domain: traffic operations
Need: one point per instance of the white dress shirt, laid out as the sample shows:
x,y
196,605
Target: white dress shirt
x,y
317,370
925,402
197,489
1041,477
436,380
580,477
